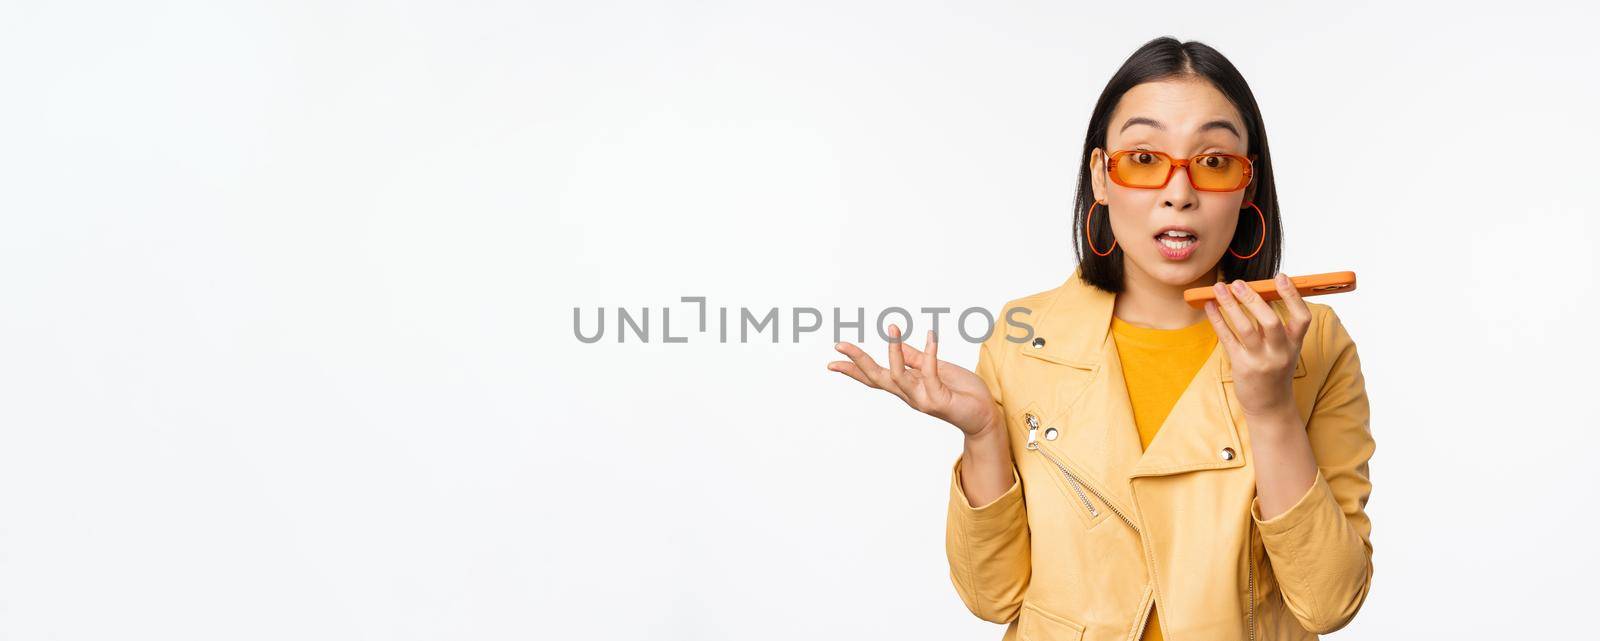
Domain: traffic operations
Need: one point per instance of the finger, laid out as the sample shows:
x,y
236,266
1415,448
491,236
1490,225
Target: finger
x,y
897,358
876,376
1224,333
1272,330
897,362
1243,327
1299,312
850,369
930,372
914,357
918,360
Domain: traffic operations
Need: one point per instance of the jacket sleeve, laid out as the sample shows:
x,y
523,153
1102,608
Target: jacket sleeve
x,y
1320,547
987,545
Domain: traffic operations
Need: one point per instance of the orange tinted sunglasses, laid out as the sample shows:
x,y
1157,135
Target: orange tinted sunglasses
x,y
1151,169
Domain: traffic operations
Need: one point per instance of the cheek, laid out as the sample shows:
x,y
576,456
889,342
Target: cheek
x,y
1220,228
1226,222
1124,223
1129,211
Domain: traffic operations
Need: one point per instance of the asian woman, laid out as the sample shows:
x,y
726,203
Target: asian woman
x,y
1135,468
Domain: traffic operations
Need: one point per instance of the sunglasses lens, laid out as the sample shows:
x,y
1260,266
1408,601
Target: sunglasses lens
x,y
1142,169
1218,172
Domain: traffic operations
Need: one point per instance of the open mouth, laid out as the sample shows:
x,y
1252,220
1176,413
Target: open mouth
x,y
1176,240
1176,244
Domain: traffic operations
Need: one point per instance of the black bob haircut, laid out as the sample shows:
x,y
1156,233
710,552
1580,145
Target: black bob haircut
x,y
1167,59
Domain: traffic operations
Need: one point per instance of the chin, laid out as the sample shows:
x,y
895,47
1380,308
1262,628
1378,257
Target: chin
x,y
1177,274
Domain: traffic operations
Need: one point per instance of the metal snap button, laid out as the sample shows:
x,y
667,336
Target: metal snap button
x,y
1227,453
1038,342
1050,434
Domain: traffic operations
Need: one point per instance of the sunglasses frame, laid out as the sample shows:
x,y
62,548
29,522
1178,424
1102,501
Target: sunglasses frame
x,y
1173,164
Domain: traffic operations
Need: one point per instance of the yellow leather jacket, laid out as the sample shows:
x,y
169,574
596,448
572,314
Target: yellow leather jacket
x,y
1094,532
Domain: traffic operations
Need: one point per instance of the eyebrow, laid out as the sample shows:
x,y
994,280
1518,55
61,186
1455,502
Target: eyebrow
x,y
1215,124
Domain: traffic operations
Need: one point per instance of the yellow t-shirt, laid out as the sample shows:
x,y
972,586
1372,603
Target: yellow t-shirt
x,y
1158,365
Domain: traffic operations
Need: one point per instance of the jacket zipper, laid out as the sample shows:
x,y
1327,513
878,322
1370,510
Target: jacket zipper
x,y
1250,569
1033,444
1144,619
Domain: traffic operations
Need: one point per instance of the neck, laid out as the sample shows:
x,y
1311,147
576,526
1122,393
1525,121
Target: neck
x,y
1147,302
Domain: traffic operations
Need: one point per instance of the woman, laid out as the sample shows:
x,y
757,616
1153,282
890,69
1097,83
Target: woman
x,y
1135,468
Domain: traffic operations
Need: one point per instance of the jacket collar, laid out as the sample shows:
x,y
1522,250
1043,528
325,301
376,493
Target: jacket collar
x,y
1202,432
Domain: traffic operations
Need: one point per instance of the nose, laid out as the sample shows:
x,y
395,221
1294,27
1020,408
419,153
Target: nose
x,y
1179,194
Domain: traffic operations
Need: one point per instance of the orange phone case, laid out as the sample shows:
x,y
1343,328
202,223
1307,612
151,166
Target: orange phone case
x,y
1310,285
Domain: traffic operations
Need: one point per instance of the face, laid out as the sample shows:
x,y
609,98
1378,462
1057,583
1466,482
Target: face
x,y
1181,118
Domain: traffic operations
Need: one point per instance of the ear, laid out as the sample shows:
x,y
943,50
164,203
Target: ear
x,y
1097,174
1250,189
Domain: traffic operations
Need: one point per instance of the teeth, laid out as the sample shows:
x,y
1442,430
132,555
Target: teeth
x,y
1175,244
1178,234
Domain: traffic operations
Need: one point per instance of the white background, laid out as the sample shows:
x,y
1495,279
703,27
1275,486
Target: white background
x,y
286,345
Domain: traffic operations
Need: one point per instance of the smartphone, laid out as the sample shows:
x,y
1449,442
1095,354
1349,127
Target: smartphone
x,y
1310,285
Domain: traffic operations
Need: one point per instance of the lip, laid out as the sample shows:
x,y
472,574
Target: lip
x,y
1175,254
1181,228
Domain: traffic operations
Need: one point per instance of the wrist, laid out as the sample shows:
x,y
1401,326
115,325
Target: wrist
x,y
993,431
1283,419
1276,411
